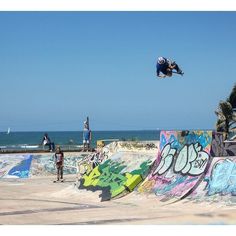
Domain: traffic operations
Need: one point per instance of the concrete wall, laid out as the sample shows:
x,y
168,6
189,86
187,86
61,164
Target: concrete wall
x,y
180,165
221,148
118,175
196,165
30,165
15,166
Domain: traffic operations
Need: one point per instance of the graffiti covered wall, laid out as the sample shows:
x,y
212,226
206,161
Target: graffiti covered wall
x,y
221,178
118,175
220,147
15,165
28,165
182,162
219,183
43,164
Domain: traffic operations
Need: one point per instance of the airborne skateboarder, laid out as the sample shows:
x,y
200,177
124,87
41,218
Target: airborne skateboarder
x,y
166,67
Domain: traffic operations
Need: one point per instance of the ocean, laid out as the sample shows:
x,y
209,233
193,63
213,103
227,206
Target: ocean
x,y
15,140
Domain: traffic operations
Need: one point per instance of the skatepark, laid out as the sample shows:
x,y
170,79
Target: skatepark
x,y
186,178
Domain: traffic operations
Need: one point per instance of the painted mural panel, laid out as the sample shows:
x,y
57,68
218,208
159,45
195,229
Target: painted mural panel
x,y
118,175
220,148
222,177
181,164
43,164
15,166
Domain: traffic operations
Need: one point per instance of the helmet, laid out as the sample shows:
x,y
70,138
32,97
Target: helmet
x,y
161,60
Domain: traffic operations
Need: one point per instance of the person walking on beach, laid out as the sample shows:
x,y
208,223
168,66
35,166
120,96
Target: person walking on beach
x,y
166,66
59,162
47,142
87,136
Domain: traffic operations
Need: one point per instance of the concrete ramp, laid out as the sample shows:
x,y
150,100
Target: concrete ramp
x,y
195,165
118,175
219,183
181,164
15,166
31,165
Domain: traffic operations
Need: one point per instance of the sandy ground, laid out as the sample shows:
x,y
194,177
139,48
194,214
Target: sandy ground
x,y
40,201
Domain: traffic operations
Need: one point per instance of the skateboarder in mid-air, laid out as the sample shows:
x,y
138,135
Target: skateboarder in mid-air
x,y
59,162
165,66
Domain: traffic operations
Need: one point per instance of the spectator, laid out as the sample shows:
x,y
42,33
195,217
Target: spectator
x,y
87,137
47,142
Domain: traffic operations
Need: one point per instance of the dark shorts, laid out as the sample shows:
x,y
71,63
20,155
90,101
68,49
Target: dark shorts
x,y
166,71
59,165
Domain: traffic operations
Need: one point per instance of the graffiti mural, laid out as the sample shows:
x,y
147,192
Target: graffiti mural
x,y
220,147
43,164
191,160
88,163
182,162
15,166
118,175
222,179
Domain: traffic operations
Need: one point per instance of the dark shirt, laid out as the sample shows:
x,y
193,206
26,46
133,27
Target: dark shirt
x,y
59,157
162,67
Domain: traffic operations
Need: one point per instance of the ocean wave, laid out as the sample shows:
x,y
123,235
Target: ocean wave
x,y
29,146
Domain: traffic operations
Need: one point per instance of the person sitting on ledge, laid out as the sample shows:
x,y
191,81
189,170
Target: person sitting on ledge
x,y
47,142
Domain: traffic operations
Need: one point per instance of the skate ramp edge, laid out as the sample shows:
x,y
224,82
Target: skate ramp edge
x,y
31,165
118,175
193,165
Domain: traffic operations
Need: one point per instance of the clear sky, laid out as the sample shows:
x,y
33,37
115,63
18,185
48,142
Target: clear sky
x,y
56,68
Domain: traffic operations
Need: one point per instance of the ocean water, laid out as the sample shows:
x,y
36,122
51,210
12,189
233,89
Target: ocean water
x,y
33,139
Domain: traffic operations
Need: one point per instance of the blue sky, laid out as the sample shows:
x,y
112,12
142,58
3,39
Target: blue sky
x,y
58,67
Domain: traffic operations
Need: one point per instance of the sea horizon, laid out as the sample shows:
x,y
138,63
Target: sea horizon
x,y
19,138
109,130
34,138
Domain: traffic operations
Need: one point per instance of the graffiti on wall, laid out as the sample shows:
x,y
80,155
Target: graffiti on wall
x,y
44,164
88,163
219,148
222,179
181,164
117,176
15,166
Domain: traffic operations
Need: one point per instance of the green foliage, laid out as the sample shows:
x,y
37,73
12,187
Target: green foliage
x,y
224,112
232,97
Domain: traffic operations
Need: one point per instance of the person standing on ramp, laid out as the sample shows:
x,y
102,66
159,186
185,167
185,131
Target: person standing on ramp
x,y
59,162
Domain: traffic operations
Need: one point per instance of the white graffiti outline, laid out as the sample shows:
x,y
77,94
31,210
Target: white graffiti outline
x,y
167,158
191,160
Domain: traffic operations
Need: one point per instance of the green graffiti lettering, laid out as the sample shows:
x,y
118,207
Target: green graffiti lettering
x,y
92,178
132,181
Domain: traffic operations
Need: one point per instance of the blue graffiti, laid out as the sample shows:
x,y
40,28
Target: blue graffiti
x,y
22,169
163,141
223,178
179,180
172,139
204,139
